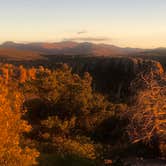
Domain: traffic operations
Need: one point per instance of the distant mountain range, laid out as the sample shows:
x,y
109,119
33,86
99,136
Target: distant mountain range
x,y
34,51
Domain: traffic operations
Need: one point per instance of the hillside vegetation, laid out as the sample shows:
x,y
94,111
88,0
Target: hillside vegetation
x,y
18,55
57,117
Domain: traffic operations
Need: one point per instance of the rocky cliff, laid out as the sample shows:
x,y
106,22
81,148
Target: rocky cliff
x,y
114,75
111,75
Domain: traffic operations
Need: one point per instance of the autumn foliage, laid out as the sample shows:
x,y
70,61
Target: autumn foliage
x,y
12,128
57,112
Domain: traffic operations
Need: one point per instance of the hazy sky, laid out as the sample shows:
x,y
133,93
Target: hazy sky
x,y
136,23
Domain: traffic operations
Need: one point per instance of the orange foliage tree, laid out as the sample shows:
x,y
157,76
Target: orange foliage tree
x,y
23,74
11,128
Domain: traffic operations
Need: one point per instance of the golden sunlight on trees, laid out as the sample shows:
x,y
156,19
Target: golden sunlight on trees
x,y
11,129
147,116
79,146
69,120
5,74
22,74
31,73
72,110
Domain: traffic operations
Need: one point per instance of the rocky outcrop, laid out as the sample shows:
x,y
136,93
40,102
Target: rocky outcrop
x,y
132,65
111,75
114,75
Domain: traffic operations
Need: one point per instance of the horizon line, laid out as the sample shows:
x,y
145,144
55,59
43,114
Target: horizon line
x,y
92,42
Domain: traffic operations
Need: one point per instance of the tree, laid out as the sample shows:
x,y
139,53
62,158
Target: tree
x,y
32,73
147,115
11,128
5,74
72,110
23,74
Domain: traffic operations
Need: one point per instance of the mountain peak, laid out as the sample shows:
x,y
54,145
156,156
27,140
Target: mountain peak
x,y
8,43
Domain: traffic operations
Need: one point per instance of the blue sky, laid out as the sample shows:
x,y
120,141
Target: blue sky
x,y
135,23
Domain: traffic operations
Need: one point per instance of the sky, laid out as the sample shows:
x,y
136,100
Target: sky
x,y
126,23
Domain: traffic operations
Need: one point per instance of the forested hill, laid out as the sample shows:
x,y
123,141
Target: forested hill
x,y
61,48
